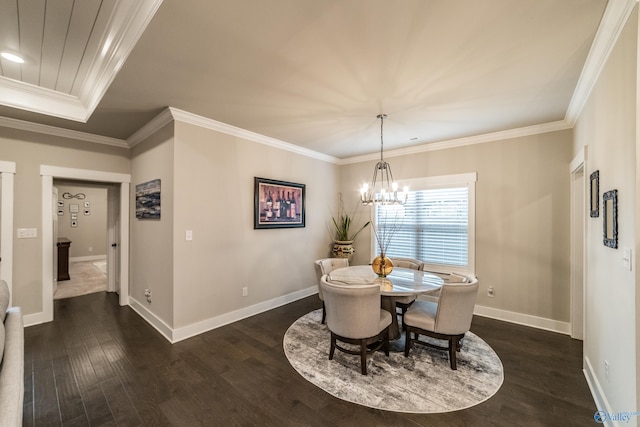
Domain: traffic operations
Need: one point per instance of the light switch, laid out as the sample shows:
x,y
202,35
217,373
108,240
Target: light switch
x,y
189,235
27,233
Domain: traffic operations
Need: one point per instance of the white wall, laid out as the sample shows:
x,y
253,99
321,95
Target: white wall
x,y
214,180
89,237
207,180
607,126
152,262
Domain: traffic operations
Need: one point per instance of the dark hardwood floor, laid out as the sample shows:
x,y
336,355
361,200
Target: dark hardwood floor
x,y
100,364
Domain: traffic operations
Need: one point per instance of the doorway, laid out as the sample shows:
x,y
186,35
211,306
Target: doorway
x,y
80,236
117,222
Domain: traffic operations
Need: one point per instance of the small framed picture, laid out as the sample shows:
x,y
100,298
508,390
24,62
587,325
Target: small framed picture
x,y
87,204
60,212
74,216
87,212
60,203
594,196
74,208
74,223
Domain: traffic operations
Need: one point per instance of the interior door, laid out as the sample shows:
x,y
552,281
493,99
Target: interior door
x,y
113,238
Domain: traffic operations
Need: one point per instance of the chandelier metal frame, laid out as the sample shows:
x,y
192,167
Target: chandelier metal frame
x,y
383,190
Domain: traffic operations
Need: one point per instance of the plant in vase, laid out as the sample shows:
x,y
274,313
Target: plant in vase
x,y
344,231
382,265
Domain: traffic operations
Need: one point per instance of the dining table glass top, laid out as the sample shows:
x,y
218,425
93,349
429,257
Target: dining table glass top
x,y
400,282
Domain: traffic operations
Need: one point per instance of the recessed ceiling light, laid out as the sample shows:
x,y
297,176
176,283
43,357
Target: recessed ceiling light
x,y
12,57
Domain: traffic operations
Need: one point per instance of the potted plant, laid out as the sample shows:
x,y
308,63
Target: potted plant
x,y
345,231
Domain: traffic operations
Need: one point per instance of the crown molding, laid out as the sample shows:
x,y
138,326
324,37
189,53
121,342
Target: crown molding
x,y
63,133
461,142
193,119
128,21
615,17
40,100
158,122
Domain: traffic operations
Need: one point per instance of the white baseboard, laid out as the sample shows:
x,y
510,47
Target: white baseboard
x,y
523,319
159,324
88,258
33,319
602,404
182,333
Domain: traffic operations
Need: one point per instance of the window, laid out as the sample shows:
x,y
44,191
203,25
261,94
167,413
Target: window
x,y
436,225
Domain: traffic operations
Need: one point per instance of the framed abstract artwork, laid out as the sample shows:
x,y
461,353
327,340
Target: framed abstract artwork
x,y
148,200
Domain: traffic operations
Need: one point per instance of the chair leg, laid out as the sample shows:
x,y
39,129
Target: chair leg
x,y
385,345
407,343
324,313
363,357
333,346
453,344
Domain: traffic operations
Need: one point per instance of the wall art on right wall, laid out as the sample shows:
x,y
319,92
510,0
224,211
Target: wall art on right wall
x,y
610,218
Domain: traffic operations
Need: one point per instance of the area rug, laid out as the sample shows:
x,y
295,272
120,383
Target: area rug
x,y
420,383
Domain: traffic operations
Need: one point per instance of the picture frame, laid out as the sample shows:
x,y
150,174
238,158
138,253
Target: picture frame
x,y
148,199
610,219
278,204
74,223
594,194
74,208
74,216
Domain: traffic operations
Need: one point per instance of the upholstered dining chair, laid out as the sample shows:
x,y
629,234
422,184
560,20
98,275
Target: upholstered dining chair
x,y
326,266
447,278
403,303
354,316
448,319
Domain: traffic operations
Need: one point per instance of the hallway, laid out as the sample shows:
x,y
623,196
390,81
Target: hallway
x,y
87,277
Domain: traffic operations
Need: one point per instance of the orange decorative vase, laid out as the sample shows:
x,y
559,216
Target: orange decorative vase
x,y
382,265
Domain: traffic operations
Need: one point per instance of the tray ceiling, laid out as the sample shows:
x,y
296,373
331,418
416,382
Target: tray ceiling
x,y
310,73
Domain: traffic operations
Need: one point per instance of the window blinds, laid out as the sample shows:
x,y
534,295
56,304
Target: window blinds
x,y
433,226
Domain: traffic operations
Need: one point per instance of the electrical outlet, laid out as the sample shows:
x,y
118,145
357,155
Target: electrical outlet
x,y
147,294
245,291
491,292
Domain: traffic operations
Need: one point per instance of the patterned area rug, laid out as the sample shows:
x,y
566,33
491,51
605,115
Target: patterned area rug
x,y
420,383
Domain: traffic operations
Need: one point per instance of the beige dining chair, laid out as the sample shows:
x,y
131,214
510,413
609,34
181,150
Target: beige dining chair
x,y
403,303
326,266
354,316
448,319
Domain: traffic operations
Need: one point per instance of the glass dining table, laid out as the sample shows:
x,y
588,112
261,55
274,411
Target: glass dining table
x,y
401,282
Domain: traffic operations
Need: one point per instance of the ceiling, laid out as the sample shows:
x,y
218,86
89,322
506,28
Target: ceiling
x,y
310,73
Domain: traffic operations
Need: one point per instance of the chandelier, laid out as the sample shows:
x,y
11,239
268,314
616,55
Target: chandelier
x,y
383,189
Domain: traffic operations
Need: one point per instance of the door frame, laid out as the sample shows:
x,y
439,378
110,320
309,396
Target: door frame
x,y
48,174
578,238
7,170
